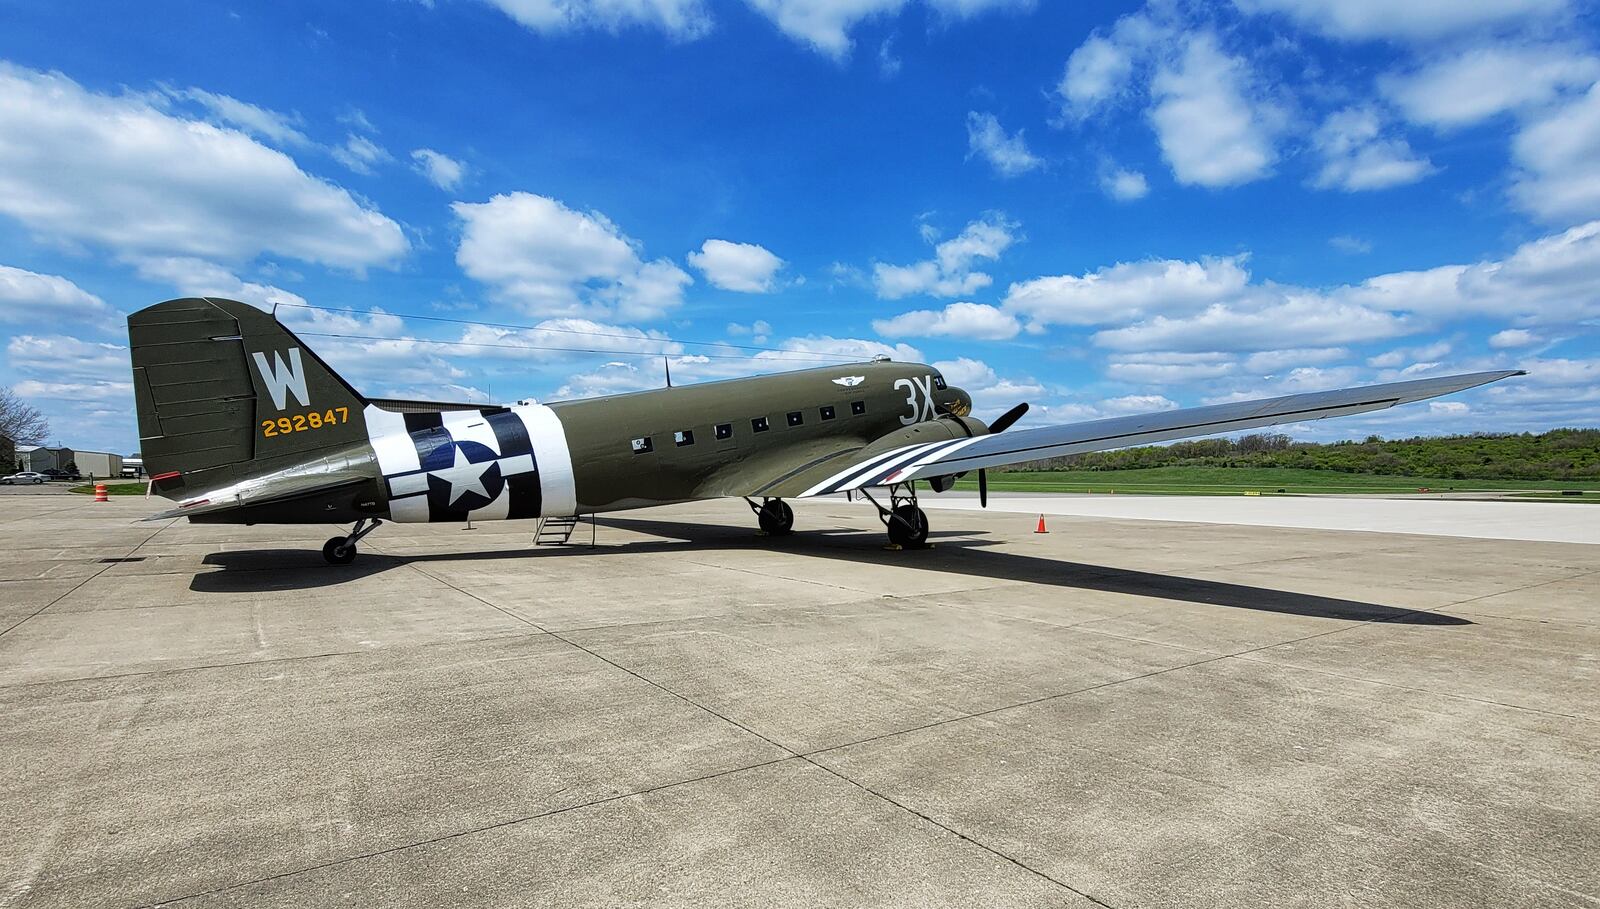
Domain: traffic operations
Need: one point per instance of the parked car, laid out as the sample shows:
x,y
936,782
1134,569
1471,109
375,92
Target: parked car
x,y
55,474
26,476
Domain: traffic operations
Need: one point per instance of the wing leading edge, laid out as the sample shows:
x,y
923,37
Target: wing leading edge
x,y
914,462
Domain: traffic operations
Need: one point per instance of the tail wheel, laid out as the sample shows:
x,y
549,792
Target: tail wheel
x,y
776,517
908,526
338,552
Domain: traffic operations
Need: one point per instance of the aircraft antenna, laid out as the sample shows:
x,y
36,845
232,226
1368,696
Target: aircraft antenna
x,y
667,365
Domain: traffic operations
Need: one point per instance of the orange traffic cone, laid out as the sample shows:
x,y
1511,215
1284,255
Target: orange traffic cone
x,y
100,494
1040,528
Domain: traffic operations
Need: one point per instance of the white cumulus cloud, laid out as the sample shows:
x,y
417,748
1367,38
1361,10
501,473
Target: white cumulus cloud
x,y
1465,87
1512,337
1124,185
1356,155
441,170
551,260
1008,154
29,296
681,19
825,25
742,267
1211,132
1127,290
950,272
1558,161
279,129
958,320
1409,21
121,173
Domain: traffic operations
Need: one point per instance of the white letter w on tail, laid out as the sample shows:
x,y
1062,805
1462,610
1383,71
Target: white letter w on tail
x,y
281,379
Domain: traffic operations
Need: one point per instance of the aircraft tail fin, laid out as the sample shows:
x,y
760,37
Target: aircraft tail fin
x,y
224,390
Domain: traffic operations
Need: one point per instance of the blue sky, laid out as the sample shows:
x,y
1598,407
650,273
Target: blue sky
x,y
1098,208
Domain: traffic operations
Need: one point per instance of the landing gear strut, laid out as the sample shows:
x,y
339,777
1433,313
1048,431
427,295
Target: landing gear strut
x,y
342,550
906,523
774,515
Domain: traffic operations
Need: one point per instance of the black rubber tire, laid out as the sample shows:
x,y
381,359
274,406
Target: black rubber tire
x,y
914,535
337,552
776,518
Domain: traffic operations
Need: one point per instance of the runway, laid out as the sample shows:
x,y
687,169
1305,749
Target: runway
x,y
1122,713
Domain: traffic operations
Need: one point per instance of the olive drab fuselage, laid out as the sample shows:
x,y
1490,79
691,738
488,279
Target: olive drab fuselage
x,y
703,441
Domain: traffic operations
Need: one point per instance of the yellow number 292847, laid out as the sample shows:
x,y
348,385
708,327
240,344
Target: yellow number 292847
x,y
304,422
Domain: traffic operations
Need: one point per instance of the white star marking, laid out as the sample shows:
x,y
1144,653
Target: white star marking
x,y
463,477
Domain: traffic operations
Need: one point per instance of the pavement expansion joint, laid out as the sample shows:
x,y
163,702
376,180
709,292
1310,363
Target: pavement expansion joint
x,y
457,834
103,569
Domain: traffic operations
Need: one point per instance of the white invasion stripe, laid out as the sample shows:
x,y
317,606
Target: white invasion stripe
x,y
471,426
871,477
410,510
557,486
510,467
386,431
851,478
934,458
850,471
408,485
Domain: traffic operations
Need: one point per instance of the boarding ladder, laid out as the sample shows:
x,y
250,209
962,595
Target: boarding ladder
x,y
555,531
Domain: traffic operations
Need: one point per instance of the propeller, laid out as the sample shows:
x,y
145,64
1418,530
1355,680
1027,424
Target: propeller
x,y
999,425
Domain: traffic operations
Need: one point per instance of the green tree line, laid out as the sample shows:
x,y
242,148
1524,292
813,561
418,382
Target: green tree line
x,y
1560,454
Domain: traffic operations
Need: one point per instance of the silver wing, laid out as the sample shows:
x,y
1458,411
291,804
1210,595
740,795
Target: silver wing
x,y
931,459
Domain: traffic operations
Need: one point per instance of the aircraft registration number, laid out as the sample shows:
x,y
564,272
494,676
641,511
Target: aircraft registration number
x,y
303,422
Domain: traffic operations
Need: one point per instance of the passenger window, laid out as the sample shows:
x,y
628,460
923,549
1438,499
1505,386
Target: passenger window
x,y
759,424
642,446
683,437
795,418
858,407
724,431
827,412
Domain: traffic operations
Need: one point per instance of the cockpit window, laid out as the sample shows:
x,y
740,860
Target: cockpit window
x,y
938,383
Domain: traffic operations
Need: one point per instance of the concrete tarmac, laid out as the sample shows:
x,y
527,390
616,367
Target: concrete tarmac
x,y
1122,713
1547,522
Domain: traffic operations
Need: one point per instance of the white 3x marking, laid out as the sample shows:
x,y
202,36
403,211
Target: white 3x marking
x,y
919,397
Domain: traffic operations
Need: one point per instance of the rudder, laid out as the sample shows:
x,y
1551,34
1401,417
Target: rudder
x,y
224,390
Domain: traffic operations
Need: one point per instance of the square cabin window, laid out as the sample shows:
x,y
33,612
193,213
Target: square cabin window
x,y
827,412
724,431
642,446
759,424
857,408
683,437
796,418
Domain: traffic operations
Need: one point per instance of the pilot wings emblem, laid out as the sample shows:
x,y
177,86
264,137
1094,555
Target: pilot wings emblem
x,y
849,381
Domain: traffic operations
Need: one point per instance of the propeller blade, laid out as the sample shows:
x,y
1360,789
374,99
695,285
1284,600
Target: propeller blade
x,y
1009,417
983,488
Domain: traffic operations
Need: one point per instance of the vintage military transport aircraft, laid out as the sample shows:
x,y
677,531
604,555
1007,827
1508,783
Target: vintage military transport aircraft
x,y
241,423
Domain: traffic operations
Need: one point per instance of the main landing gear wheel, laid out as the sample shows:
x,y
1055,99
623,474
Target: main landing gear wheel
x,y
338,552
775,517
342,550
908,526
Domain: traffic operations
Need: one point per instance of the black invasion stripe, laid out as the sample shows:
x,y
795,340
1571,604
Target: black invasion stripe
x,y
416,422
855,480
511,434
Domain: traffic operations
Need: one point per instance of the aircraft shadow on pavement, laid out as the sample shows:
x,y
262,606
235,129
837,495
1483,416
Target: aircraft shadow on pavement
x,y
964,555
956,552
258,570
